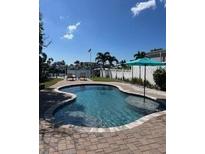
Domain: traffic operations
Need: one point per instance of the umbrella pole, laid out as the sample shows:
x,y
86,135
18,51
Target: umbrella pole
x,y
144,81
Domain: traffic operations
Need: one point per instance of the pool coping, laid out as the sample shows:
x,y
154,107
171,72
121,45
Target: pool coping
x,y
49,113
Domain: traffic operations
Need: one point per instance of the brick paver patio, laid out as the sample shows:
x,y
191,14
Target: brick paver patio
x,y
148,138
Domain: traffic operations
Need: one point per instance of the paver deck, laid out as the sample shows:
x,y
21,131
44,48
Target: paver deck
x,y
148,138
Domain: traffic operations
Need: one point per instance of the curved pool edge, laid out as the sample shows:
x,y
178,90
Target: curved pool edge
x,y
49,113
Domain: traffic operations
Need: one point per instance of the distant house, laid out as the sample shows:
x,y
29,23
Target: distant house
x,y
82,65
88,63
157,54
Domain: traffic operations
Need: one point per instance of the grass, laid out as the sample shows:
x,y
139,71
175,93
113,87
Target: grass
x,y
51,82
104,79
134,81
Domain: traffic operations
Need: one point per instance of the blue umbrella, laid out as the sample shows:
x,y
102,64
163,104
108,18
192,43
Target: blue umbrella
x,y
145,62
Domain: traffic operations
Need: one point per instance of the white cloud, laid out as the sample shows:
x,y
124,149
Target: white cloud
x,y
61,17
140,6
68,36
70,30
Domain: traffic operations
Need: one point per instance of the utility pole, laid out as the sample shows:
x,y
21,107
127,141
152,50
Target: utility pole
x,y
90,63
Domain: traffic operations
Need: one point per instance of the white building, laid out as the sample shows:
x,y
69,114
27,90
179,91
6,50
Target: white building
x,y
157,54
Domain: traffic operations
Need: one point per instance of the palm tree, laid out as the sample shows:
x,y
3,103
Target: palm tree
x,y
102,58
81,65
58,67
124,66
77,63
112,59
139,54
123,63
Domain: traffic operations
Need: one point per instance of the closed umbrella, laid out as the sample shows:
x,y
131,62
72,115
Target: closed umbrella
x,y
145,62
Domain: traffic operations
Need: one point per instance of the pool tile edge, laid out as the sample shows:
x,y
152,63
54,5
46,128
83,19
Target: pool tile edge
x,y
49,113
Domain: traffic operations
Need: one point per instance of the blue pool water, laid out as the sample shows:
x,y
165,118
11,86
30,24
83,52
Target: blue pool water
x,y
103,106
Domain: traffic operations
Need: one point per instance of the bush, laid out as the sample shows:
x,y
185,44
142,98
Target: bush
x,y
160,78
126,80
137,81
148,84
41,86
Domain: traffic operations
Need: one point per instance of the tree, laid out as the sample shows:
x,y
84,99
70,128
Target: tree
x,y
123,63
160,78
41,34
102,58
58,67
123,66
112,59
42,38
81,64
139,54
49,61
43,65
66,69
77,64
42,56
156,49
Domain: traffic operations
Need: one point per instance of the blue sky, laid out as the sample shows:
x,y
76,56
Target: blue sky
x,y
120,27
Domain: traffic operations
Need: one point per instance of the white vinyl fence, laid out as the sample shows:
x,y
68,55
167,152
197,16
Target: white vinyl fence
x,y
135,72
78,72
74,72
57,75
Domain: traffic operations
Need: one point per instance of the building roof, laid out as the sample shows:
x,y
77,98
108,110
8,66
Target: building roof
x,y
156,53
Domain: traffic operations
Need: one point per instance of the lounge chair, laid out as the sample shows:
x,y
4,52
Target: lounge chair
x,y
71,76
83,76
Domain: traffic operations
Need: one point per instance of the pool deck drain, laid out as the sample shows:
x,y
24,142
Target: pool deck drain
x,y
149,137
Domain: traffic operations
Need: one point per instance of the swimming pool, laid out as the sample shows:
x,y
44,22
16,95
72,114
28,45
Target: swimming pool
x,y
103,106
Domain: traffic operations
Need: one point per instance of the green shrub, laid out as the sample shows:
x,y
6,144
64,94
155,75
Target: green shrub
x,y
137,81
41,86
148,84
123,77
160,78
126,80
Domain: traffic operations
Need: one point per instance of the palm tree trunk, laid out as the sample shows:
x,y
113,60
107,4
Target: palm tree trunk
x,y
103,70
110,74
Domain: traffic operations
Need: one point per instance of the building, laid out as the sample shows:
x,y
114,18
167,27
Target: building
x,y
157,54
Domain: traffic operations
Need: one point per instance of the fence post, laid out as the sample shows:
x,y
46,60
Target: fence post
x,y
132,71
